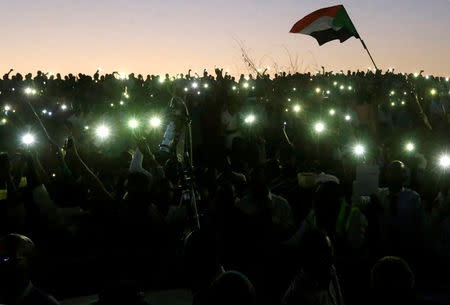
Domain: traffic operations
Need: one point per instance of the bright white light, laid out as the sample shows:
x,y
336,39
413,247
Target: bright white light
x,y
416,74
246,85
28,139
28,90
297,108
155,121
328,92
403,102
194,85
295,89
234,88
250,119
350,87
427,77
318,90
186,89
409,146
7,108
161,79
205,86
112,105
433,91
392,92
121,103
50,113
332,112
123,76
133,123
348,118
392,104
444,161
86,127
63,107
4,121
335,84
359,150
342,87
102,132
44,111
319,127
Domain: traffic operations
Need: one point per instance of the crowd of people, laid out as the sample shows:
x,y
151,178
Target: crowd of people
x,y
292,188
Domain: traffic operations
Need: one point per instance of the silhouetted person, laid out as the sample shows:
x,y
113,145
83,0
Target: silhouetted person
x,y
16,288
392,282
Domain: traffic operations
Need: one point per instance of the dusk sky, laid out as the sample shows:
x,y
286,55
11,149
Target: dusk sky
x,y
155,36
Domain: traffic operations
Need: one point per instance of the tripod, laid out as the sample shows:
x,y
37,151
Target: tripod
x,y
189,189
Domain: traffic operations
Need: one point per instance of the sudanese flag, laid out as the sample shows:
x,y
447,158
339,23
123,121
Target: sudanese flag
x,y
327,24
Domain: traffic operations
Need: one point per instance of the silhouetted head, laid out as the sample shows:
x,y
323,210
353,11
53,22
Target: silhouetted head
x,y
232,288
392,281
16,252
396,174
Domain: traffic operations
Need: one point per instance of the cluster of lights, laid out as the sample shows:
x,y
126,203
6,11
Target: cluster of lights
x,y
103,131
45,111
30,91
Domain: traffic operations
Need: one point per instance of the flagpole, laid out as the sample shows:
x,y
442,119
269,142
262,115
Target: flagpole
x,y
368,52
